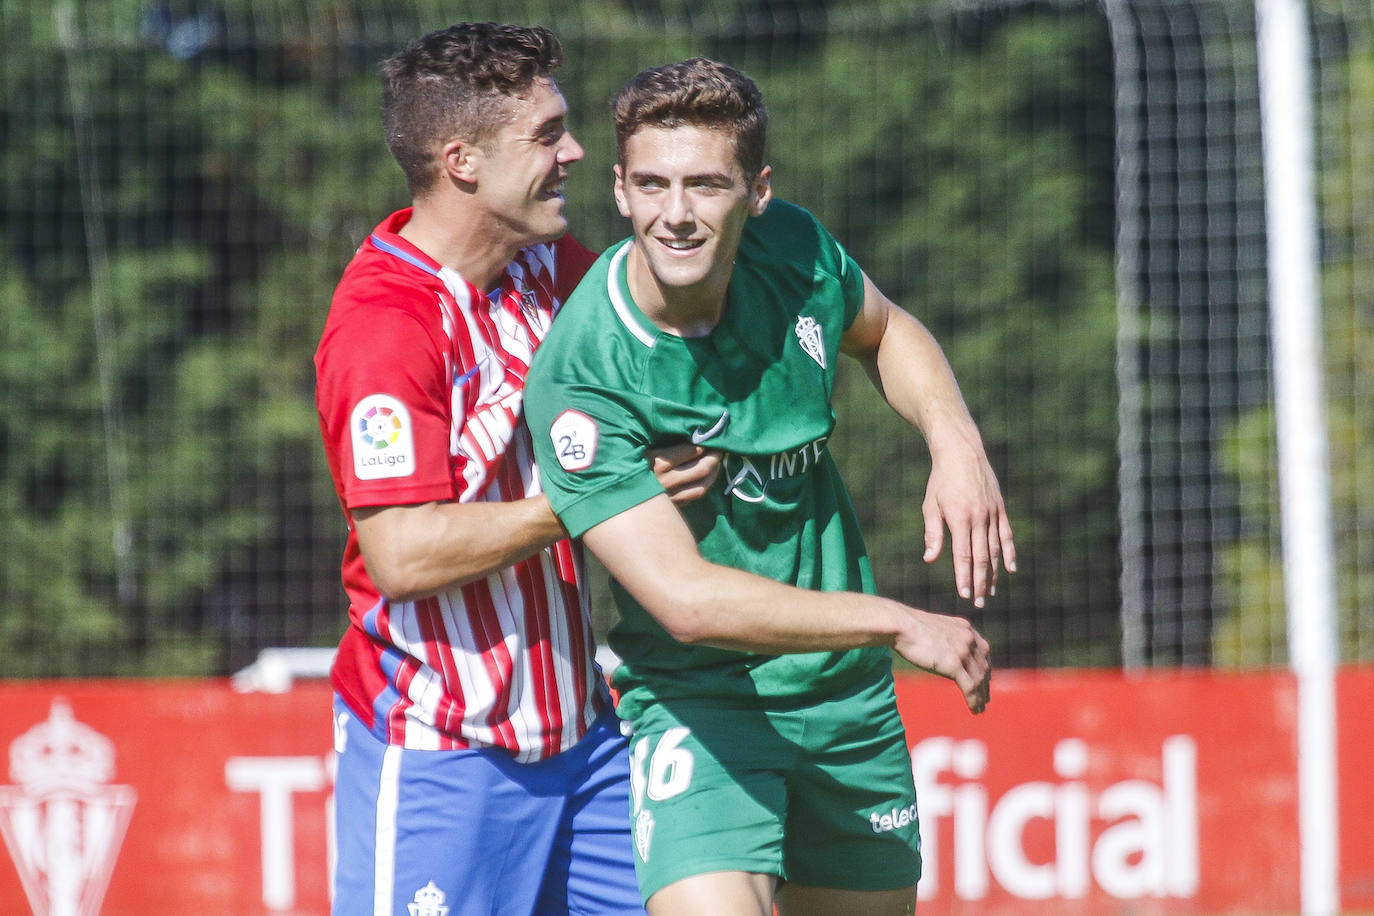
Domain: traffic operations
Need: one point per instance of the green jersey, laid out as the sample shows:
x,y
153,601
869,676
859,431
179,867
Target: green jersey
x,y
606,384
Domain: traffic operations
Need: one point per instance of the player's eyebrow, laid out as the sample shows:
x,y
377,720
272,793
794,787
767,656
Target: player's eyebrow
x,y
713,177
555,123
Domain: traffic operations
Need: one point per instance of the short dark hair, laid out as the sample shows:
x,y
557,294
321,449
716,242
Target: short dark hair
x,y
701,93
457,82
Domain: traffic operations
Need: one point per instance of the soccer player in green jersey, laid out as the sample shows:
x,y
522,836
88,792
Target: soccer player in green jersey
x,y
769,764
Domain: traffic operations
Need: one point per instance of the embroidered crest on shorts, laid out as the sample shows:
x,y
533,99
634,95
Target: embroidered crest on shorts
x,y
809,333
644,834
428,901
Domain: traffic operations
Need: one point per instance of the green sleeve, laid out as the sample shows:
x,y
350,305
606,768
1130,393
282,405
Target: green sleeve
x,y
846,271
589,444
792,234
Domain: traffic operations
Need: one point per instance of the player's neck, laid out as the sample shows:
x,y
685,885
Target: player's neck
x,y
458,244
687,311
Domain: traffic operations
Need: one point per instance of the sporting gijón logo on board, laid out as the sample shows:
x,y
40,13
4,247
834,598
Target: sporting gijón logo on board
x,y
62,820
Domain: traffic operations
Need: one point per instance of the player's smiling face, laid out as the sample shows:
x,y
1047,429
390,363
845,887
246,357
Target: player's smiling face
x,y
531,153
687,198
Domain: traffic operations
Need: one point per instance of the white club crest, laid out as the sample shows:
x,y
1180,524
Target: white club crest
x,y
644,834
429,901
63,822
809,333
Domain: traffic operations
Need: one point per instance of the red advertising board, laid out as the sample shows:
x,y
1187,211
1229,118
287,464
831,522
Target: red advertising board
x,y
225,792
1100,789
1077,792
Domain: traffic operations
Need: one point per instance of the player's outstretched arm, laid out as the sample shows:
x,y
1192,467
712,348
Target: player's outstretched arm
x,y
414,551
908,366
650,550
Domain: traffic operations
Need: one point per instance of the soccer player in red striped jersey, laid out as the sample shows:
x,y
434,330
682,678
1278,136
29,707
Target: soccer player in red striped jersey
x,y
479,764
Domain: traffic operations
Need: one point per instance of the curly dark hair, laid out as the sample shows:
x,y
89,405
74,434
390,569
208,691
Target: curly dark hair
x,y
458,82
697,92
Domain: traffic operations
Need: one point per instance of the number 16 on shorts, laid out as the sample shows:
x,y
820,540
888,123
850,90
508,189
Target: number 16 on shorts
x,y
661,774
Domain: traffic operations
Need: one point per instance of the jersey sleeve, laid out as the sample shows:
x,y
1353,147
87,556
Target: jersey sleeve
x,y
790,239
836,261
589,443
852,282
382,398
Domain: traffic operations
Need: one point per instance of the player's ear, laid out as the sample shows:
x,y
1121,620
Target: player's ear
x,y
761,192
460,160
620,201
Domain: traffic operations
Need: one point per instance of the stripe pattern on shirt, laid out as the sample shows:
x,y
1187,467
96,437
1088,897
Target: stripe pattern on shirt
x,y
505,661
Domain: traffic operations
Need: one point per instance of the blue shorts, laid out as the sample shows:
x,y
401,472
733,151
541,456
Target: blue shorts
x,y
478,833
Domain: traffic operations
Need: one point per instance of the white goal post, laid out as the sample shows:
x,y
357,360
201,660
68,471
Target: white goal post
x,y
1309,569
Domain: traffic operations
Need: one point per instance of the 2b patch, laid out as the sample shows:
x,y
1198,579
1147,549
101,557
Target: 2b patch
x,y
574,436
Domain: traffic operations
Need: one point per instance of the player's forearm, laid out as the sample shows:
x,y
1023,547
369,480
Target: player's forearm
x,y
911,371
731,609
413,552
653,555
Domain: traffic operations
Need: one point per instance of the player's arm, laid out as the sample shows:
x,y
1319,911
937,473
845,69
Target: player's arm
x,y
420,550
908,367
413,551
650,550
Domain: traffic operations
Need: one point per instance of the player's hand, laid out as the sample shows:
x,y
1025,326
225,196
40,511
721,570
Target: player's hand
x,y
950,647
963,494
686,471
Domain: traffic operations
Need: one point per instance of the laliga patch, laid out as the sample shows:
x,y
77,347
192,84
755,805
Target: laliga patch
x,y
383,443
574,437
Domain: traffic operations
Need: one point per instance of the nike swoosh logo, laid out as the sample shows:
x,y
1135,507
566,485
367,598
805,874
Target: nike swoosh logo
x,y
699,435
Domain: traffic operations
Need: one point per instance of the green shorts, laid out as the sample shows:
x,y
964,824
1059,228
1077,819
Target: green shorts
x,y
821,794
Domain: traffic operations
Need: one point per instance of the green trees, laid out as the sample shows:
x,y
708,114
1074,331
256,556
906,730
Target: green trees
x,y
174,223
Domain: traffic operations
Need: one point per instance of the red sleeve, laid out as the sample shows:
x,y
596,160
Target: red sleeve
x,y
572,262
383,399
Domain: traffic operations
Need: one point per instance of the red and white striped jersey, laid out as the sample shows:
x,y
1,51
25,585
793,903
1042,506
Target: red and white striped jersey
x,y
420,386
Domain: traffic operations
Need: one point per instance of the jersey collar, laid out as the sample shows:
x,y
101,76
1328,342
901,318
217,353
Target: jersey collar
x,y
618,290
387,238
